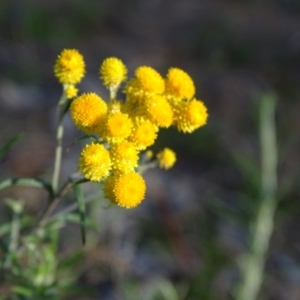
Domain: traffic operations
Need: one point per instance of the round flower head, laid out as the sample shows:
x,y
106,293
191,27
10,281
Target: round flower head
x,y
124,157
112,72
71,91
190,116
179,84
126,190
143,133
166,158
69,67
87,111
159,111
116,127
149,80
94,162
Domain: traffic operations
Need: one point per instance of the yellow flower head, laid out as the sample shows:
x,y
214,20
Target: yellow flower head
x,y
159,111
149,80
94,162
166,158
143,133
112,72
69,67
71,91
191,115
179,84
116,127
87,111
126,190
124,157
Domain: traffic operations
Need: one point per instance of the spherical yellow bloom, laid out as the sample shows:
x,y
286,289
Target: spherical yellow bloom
x,y
143,134
191,115
166,158
116,128
124,157
87,111
112,72
149,80
71,91
159,111
69,67
179,84
94,162
126,190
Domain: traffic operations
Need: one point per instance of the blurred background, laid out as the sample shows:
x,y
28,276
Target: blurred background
x,y
187,237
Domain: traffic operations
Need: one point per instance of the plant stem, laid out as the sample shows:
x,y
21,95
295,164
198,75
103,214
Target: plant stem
x,y
58,154
17,208
74,206
252,267
54,202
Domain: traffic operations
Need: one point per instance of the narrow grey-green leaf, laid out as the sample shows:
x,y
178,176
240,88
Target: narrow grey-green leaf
x,y
22,290
28,182
75,218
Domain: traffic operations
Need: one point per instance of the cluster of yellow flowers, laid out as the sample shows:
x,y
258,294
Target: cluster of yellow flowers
x,y
125,127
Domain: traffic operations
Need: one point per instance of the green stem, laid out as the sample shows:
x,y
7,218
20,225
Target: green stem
x,y
58,154
73,207
63,106
17,208
55,201
252,267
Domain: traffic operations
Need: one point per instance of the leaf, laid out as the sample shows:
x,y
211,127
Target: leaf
x,y
28,182
4,149
77,219
70,261
24,291
81,208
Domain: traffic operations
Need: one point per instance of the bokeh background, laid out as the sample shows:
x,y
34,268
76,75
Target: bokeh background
x,y
190,232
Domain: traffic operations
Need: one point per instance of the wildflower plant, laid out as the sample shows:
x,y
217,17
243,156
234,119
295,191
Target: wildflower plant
x,y
118,132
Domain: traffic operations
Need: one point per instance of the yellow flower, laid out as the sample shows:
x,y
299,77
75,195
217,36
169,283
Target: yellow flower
x,y
69,67
112,72
87,111
124,157
71,91
126,190
159,111
116,127
94,162
166,158
190,115
143,133
179,84
148,80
